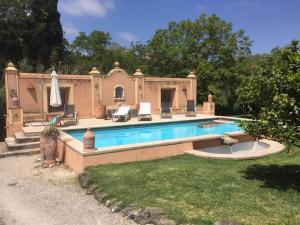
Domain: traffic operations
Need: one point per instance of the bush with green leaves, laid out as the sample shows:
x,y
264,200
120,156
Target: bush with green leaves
x,y
51,132
272,96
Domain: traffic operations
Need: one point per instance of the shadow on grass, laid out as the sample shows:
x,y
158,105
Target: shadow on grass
x,y
280,177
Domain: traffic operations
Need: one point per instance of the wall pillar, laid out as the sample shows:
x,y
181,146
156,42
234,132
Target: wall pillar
x,y
209,106
14,113
97,106
139,86
192,95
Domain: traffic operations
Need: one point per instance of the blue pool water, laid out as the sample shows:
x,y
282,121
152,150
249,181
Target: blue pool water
x,y
115,136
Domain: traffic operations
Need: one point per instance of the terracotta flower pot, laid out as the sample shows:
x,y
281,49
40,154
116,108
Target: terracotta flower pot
x,y
89,140
42,147
100,111
51,150
14,101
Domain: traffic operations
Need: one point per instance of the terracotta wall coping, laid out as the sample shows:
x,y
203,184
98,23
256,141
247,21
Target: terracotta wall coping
x,y
60,76
89,77
166,79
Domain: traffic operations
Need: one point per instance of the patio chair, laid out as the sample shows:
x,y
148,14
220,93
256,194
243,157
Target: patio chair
x,y
165,111
70,116
55,121
121,113
190,108
145,111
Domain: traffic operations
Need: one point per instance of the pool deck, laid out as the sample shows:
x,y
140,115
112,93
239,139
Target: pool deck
x,y
93,122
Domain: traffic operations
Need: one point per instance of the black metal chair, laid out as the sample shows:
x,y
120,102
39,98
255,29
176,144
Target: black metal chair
x,y
166,111
190,108
70,115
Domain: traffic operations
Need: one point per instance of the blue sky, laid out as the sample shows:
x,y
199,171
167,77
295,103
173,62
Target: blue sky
x,y
269,23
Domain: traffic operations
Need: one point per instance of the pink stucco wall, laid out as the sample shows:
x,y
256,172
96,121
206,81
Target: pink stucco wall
x,y
87,92
33,92
30,95
180,88
116,78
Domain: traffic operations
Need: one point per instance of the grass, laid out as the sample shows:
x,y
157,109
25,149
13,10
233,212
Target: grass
x,y
200,191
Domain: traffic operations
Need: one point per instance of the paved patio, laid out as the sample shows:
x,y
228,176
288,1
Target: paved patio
x,y
93,122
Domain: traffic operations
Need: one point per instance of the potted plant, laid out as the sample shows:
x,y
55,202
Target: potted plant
x,y
51,136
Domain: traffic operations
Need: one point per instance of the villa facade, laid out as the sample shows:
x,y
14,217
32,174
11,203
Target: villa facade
x,y
28,94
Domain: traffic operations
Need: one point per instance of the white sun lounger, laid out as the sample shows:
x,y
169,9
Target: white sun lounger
x,y
122,112
145,111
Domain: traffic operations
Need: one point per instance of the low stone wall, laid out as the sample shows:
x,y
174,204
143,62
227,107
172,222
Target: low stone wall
x,y
79,161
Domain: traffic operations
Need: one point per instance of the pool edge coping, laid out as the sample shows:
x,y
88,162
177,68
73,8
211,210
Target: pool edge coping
x,y
78,147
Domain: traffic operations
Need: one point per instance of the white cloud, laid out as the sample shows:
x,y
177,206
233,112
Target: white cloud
x,y
127,36
97,8
70,30
201,8
242,3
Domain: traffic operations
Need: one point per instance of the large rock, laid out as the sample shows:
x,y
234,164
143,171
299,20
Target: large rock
x,y
132,214
154,213
116,207
83,179
226,222
98,195
110,202
142,217
90,189
163,221
128,209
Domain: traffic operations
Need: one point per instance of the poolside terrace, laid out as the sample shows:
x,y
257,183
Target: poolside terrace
x,y
93,122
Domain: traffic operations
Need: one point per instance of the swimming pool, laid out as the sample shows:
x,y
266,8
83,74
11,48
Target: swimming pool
x,y
135,134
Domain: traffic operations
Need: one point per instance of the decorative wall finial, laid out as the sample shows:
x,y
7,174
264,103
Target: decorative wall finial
x,y
10,67
138,73
117,65
192,75
94,71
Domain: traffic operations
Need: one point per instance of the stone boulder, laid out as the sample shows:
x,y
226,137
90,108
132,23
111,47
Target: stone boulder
x,y
83,179
90,189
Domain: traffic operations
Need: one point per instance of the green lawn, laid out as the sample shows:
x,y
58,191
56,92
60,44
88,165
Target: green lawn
x,y
200,191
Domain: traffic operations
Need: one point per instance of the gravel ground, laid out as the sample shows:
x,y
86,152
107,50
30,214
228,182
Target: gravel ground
x,y
31,195
2,149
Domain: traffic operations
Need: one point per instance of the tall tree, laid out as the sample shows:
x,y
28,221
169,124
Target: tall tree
x,y
13,25
45,42
207,45
30,29
30,35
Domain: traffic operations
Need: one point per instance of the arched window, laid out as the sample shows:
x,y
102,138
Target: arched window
x,y
119,92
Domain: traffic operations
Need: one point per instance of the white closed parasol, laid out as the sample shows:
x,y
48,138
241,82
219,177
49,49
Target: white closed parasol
x,y
55,99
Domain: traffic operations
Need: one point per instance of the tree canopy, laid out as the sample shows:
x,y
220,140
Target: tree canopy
x,y
207,45
30,29
31,36
272,96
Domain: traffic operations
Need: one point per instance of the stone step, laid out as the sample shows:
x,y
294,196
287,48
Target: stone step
x,y
31,151
21,138
10,139
32,131
12,146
